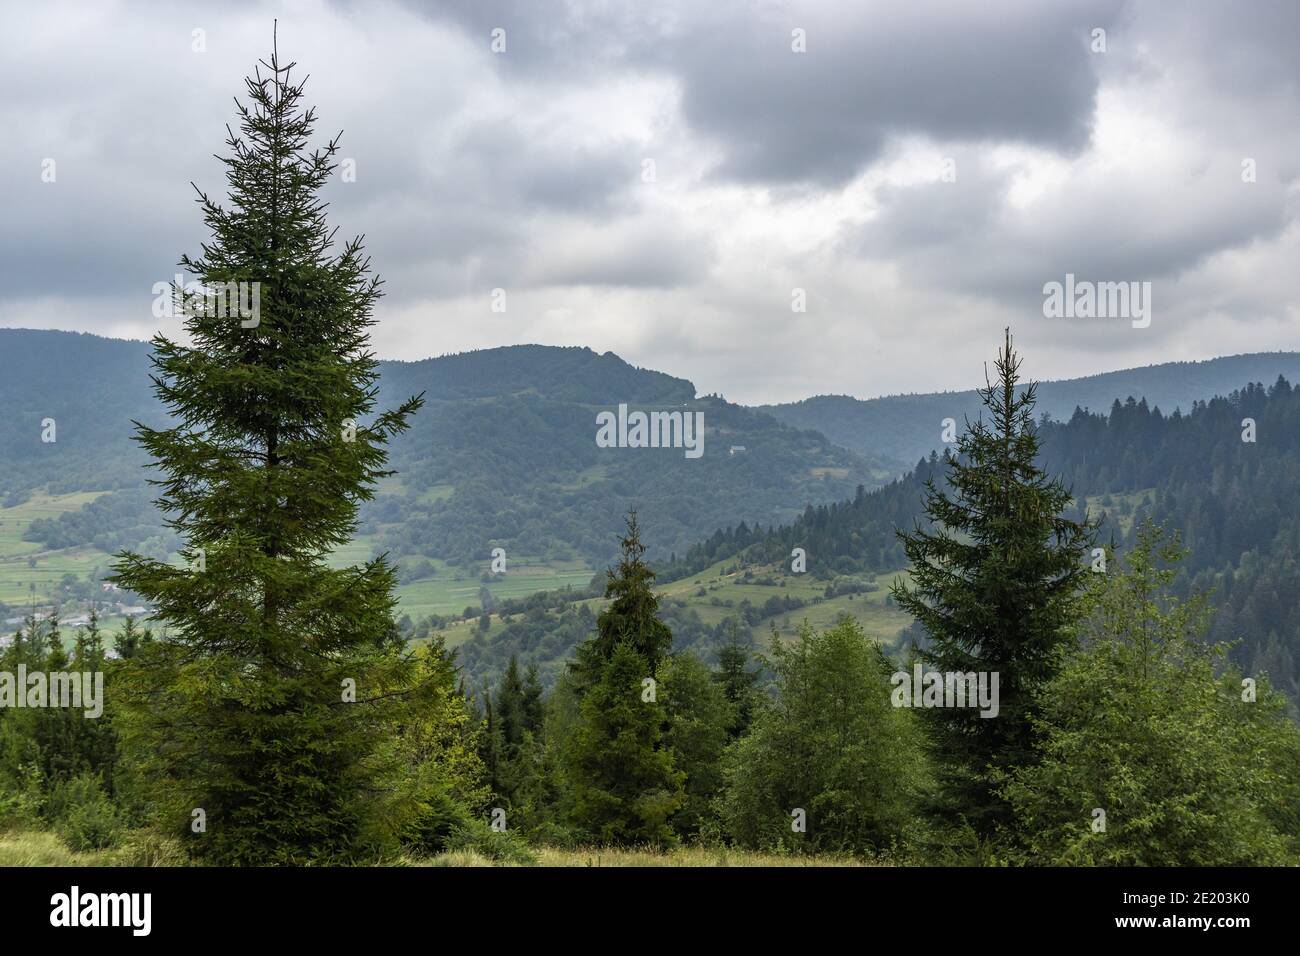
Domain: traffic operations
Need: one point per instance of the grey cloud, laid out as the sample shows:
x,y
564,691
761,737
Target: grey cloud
x,y
1017,72
477,171
1020,71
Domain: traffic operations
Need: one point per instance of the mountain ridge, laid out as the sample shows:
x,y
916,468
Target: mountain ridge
x,y
906,427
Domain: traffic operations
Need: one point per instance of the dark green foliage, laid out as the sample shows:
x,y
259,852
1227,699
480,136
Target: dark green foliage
x,y
499,846
241,712
1225,497
511,744
131,638
738,682
60,768
625,789
995,583
623,786
83,814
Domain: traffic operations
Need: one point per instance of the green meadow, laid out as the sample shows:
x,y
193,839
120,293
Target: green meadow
x,y
24,563
714,593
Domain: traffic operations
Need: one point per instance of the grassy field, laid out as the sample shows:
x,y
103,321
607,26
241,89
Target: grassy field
x,y
715,593
41,848
684,856
24,563
454,589
720,586
36,848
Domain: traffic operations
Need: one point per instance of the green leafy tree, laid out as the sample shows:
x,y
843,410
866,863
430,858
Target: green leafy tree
x,y
699,719
829,743
242,710
442,787
1137,726
545,805
995,583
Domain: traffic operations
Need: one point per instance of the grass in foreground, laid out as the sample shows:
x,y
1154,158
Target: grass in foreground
x,y
36,848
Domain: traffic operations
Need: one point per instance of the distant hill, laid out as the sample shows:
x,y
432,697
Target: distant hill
x,y
904,428
503,454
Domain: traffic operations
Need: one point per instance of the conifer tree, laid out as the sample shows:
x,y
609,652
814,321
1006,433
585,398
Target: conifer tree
x,y
632,615
738,682
130,638
995,583
624,788
533,707
510,708
490,744
243,708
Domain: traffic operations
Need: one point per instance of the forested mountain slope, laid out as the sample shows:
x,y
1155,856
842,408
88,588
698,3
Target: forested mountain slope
x,y
1226,476
504,453
903,428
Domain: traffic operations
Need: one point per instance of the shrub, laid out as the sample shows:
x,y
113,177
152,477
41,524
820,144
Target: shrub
x,y
83,814
500,846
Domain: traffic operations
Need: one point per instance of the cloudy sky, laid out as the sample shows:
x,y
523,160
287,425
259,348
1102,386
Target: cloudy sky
x,y
657,179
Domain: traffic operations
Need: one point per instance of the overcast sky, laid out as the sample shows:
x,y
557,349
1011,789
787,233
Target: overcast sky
x,y
773,170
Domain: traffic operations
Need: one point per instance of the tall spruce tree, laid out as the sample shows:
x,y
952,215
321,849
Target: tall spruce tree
x,y
996,583
738,682
243,709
